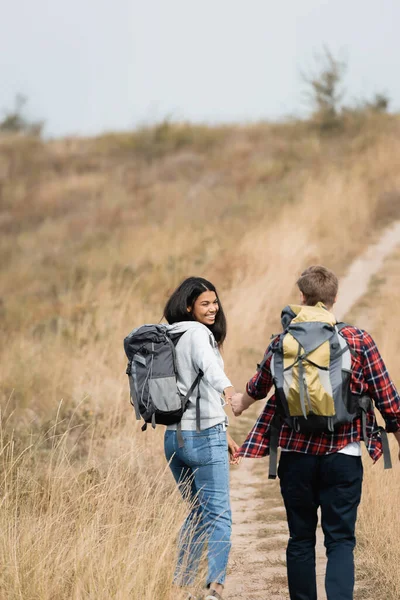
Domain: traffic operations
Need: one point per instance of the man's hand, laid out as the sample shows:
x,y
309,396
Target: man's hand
x,y
237,404
397,436
240,403
232,449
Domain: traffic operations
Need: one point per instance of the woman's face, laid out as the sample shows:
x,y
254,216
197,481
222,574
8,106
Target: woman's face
x,y
205,308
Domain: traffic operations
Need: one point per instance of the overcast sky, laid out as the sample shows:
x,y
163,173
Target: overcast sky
x,y
94,65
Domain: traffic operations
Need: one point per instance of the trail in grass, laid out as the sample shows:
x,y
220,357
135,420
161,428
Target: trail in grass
x,y
259,537
257,565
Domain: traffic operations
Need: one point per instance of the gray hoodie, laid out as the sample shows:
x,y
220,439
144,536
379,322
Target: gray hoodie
x,y
197,350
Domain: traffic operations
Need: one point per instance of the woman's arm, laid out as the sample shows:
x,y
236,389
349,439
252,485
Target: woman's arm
x,y
205,359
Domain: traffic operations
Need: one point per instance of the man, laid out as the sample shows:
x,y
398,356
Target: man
x,y
323,468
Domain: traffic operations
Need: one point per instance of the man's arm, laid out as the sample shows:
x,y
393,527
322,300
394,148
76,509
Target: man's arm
x,y
381,388
257,388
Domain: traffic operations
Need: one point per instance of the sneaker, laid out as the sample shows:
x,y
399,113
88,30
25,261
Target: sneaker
x,y
213,595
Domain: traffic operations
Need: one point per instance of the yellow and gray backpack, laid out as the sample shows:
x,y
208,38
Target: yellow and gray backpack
x,y
311,367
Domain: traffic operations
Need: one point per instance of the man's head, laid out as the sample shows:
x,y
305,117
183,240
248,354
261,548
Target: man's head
x,y
318,284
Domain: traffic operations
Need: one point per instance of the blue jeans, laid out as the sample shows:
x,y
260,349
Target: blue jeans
x,y
201,470
334,483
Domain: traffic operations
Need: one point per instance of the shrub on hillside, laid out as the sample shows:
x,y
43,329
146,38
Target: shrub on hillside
x,y
326,92
153,142
15,121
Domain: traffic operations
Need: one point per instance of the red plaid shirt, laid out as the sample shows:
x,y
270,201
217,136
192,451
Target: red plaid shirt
x,y
369,376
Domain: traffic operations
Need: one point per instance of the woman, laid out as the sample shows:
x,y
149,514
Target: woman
x,y
200,466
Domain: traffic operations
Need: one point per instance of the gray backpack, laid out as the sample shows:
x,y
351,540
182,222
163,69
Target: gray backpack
x,y
152,373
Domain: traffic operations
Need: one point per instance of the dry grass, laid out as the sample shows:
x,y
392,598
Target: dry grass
x,y
378,525
79,529
94,236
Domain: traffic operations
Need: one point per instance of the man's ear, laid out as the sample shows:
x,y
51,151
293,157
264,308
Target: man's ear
x,y
189,309
303,298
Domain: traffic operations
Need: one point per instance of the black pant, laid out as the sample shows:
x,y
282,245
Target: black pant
x,y
334,483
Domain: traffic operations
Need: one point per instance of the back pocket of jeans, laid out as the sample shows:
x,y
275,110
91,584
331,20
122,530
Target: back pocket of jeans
x,y
197,450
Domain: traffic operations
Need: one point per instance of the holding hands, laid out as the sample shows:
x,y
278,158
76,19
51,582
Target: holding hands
x,y
233,447
240,403
237,404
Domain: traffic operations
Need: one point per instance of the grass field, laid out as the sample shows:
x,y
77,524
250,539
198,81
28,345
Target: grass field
x,y
95,233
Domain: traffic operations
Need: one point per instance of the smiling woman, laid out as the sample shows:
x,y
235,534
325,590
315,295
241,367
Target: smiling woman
x,y
205,308
199,457
196,299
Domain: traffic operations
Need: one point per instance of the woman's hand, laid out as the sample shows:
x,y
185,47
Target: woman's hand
x,y
228,393
232,449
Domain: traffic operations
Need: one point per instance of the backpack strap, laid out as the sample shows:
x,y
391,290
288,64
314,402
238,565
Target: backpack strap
x,y
195,383
341,325
302,387
179,435
365,403
131,372
387,460
273,447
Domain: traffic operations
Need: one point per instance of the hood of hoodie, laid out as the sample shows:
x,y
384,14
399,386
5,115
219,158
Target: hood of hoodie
x,y
306,314
183,326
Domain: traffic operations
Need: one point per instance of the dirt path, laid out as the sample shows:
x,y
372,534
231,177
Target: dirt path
x,y
259,537
359,275
257,565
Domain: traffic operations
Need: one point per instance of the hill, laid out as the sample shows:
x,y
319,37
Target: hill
x,y
95,233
